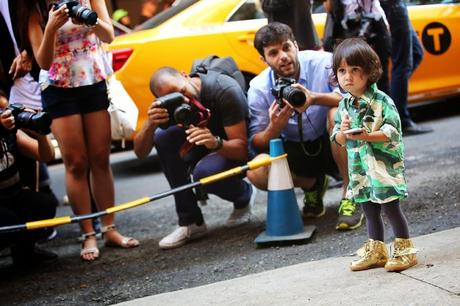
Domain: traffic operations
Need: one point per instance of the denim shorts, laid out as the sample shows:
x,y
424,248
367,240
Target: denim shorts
x,y
60,102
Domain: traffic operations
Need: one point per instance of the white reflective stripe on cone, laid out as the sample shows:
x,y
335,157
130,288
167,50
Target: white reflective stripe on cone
x,y
279,177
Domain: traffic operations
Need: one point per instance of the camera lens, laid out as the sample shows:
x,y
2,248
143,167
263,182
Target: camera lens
x,y
185,116
81,13
85,15
294,96
170,102
38,122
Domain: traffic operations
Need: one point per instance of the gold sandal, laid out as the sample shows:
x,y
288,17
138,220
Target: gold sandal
x,y
89,250
125,241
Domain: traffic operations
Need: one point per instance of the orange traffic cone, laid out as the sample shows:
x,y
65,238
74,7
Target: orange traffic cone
x,y
283,222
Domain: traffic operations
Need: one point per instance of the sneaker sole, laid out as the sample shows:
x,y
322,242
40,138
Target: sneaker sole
x,y
310,215
345,226
239,223
182,242
400,268
374,266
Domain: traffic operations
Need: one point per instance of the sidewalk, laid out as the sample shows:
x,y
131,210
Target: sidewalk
x,y
434,281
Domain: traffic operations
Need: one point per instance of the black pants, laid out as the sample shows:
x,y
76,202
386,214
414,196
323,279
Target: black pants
x,y
23,207
317,161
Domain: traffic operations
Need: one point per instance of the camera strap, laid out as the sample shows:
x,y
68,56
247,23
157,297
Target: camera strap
x,y
205,113
302,145
205,116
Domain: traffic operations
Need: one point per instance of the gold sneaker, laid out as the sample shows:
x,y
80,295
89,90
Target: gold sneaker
x,y
373,254
403,256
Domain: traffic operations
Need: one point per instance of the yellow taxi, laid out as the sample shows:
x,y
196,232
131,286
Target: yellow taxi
x,y
198,28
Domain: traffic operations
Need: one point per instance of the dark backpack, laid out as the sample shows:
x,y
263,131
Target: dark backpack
x,y
225,65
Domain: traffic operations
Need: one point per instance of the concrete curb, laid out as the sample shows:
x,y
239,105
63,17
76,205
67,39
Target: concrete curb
x,y
434,281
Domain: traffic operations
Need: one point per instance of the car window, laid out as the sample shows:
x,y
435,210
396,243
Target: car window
x,y
165,15
250,9
425,2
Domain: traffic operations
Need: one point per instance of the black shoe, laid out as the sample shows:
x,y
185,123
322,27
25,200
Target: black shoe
x,y
48,234
313,199
415,129
32,258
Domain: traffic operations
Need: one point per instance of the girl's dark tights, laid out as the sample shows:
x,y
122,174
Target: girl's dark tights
x,y
394,214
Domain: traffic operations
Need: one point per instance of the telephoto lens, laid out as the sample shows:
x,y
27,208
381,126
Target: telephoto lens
x,y
284,90
294,96
83,14
185,115
79,12
39,122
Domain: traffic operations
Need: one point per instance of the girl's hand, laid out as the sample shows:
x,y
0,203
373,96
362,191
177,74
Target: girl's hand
x,y
57,18
7,119
201,137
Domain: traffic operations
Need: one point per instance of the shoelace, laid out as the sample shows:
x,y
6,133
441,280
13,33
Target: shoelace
x,y
347,207
311,196
399,252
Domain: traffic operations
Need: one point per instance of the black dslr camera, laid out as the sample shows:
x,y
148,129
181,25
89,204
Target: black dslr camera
x,y
39,122
283,89
79,12
179,111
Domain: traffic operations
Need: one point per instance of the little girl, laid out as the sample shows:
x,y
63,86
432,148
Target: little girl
x,y
367,122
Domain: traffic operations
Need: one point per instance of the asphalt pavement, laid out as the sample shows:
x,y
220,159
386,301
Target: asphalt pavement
x,y
435,280
225,267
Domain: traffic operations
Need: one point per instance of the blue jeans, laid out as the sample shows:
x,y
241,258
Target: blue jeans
x,y
177,172
406,55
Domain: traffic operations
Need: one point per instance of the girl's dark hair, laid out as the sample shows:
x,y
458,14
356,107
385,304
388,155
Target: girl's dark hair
x,y
272,33
356,52
22,10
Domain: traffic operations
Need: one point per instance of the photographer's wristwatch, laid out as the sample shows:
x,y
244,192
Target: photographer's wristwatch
x,y
220,143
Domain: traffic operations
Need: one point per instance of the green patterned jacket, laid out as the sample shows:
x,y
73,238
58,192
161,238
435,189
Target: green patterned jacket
x,y
375,169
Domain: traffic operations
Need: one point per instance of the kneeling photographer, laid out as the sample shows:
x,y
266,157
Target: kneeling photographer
x,y
19,203
302,115
198,126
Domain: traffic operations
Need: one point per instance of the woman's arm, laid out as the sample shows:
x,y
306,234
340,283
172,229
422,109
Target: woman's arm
x,y
43,42
104,27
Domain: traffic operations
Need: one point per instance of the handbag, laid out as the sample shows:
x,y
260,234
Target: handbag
x,y
123,111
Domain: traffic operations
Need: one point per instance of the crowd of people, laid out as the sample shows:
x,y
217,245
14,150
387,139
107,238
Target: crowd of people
x,y
346,125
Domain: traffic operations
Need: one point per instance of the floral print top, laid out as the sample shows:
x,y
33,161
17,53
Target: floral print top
x,y
79,58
